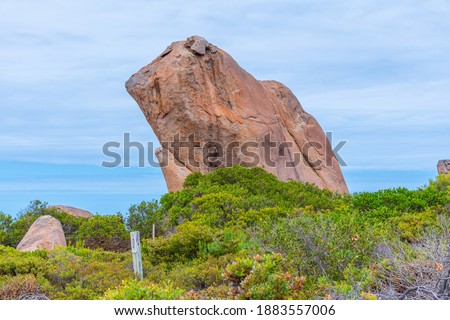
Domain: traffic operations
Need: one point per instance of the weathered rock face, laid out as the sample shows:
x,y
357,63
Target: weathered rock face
x,y
73,211
443,166
208,112
45,233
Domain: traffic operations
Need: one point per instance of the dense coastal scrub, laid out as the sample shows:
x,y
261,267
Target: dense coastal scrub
x,y
239,233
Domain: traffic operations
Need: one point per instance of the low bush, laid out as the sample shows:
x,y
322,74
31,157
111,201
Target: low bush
x,y
141,217
239,233
320,245
415,271
6,230
135,290
262,278
68,273
18,287
107,232
182,246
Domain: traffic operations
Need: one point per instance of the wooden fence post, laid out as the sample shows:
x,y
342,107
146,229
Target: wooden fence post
x,y
136,252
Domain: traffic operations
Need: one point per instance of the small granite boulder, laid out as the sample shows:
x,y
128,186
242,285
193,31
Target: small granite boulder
x,y
45,233
443,166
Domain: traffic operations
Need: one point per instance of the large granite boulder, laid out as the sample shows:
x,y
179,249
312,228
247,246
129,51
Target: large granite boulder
x,y
208,112
45,233
73,211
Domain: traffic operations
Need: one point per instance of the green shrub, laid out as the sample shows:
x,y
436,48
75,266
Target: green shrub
x,y
221,197
107,232
411,226
6,230
102,226
216,209
320,245
141,217
262,278
441,183
400,199
77,277
182,246
68,273
199,274
240,233
14,262
18,286
134,290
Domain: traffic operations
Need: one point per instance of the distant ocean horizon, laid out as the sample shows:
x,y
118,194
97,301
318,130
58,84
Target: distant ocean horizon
x,y
111,190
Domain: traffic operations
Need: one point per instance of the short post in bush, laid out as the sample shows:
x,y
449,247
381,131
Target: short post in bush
x,y
136,252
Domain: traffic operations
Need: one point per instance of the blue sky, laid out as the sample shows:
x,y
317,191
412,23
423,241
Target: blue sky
x,y
375,73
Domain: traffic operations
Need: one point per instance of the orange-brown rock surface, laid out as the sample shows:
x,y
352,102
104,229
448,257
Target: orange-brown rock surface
x,y
443,166
73,211
196,88
45,233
